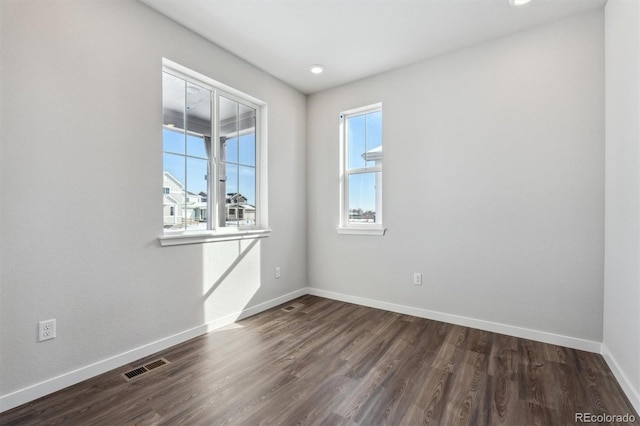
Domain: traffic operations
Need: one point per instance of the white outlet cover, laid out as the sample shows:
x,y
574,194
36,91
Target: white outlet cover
x,y
46,330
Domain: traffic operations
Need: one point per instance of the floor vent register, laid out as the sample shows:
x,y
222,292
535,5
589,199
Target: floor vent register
x,y
139,371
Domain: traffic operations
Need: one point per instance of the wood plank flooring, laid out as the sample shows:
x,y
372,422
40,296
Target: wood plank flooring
x,y
334,363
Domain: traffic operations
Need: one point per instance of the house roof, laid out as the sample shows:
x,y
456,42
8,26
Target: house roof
x,y
235,195
169,176
373,154
169,200
245,206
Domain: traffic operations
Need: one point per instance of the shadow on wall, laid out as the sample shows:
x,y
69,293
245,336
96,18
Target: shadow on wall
x,y
231,276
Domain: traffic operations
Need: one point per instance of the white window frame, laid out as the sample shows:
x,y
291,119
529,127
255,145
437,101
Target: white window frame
x,y
345,227
215,232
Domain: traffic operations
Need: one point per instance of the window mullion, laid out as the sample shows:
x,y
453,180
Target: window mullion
x,y
237,177
366,140
212,185
185,123
365,170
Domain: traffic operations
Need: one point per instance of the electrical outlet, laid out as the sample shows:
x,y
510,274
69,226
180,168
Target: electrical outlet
x,y
417,278
277,272
46,330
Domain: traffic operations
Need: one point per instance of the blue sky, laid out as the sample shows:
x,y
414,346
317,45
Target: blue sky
x,y
240,174
365,133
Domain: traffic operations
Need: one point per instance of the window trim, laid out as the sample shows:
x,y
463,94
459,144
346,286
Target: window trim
x,y
344,227
215,232
199,237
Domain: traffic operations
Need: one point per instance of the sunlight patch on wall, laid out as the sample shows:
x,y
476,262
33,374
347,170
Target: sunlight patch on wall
x,y
230,277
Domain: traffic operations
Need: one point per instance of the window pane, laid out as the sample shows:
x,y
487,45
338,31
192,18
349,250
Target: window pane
x,y
197,176
364,140
198,109
228,117
231,195
248,149
356,145
228,124
173,100
232,179
175,166
173,179
363,197
186,135
196,209
247,184
231,150
237,129
173,141
374,138
247,117
196,147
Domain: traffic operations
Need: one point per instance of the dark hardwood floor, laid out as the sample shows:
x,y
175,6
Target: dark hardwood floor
x,y
334,363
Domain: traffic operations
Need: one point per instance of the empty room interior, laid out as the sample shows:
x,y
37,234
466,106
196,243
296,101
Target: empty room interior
x,y
484,270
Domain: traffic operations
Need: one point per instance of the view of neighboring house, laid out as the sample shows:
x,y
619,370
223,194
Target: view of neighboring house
x,y
238,209
176,200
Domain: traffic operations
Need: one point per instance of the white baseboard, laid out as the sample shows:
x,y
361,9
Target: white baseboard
x,y
525,333
55,384
632,393
38,390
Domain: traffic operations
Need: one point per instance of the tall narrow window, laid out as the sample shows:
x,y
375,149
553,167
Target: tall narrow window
x,y
237,163
186,140
213,153
361,166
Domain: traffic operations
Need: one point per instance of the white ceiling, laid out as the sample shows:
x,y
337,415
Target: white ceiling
x,y
354,39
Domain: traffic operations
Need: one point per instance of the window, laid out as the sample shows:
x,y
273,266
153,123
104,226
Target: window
x,y
361,171
213,146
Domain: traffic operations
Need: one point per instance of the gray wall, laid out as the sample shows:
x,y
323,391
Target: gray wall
x,y
494,188
493,184
81,177
621,342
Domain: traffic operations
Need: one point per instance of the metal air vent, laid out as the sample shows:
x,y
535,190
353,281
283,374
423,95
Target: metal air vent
x,y
139,371
292,306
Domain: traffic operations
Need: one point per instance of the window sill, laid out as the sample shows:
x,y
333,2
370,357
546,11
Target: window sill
x,y
211,236
362,231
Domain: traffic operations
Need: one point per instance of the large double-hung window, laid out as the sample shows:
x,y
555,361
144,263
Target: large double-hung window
x,y
214,160
361,171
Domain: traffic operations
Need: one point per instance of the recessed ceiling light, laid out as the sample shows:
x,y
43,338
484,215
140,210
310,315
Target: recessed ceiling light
x,y
316,69
518,2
